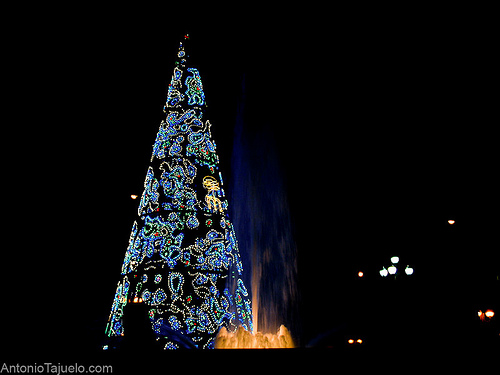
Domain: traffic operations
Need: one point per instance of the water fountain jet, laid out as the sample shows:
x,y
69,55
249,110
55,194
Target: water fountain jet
x,y
261,212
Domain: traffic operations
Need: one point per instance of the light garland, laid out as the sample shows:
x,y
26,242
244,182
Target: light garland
x,y
194,88
183,259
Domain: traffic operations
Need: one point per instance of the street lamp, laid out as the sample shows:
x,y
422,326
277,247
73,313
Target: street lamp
x,y
392,269
352,341
487,314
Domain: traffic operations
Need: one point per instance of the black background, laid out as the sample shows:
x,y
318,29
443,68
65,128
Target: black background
x,y
383,123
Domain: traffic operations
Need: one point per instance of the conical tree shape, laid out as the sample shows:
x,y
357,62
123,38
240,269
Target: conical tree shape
x,y
183,260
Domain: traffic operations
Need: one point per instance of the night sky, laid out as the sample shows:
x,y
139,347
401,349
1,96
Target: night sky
x,y
371,134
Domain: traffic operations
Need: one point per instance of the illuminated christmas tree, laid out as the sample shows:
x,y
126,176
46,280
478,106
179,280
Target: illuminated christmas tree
x,y
182,260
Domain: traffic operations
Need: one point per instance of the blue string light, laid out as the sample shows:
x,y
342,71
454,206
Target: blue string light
x,y
183,259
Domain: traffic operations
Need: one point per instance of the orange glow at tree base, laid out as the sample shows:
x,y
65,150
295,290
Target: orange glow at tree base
x,y
243,339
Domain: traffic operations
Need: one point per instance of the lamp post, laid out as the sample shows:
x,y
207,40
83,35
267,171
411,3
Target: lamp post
x,y
383,272
393,270
485,316
409,270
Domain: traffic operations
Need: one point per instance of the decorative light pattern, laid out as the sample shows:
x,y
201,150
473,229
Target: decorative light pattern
x,y
114,326
194,88
182,259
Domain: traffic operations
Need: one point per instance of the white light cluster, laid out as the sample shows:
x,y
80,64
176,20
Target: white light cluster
x,y
393,270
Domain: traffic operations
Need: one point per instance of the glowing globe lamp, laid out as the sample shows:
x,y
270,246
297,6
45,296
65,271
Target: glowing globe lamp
x,y
409,270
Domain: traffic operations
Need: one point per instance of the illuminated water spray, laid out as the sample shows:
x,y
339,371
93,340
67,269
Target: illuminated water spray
x,y
262,222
